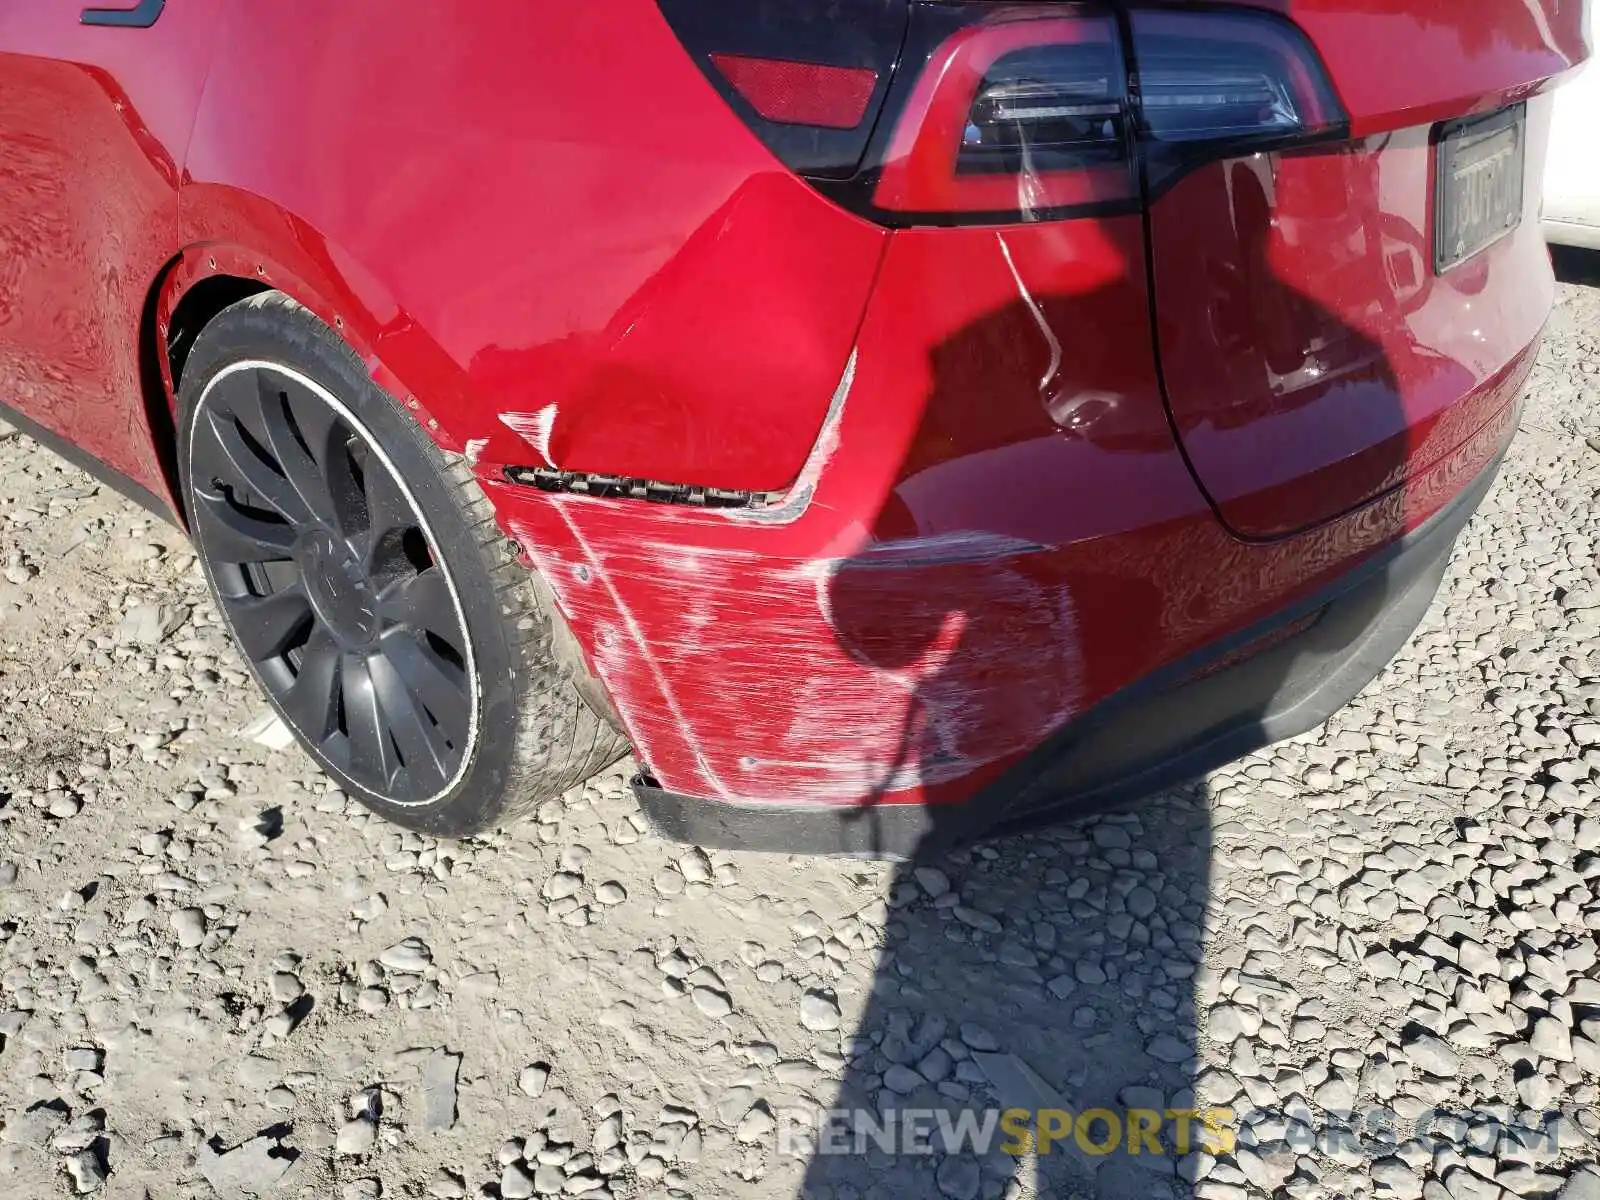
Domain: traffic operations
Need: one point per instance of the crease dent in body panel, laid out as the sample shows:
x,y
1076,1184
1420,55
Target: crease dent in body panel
x,y
535,429
799,493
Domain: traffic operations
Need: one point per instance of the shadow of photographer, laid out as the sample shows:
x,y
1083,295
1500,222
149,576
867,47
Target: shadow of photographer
x,y
1034,1024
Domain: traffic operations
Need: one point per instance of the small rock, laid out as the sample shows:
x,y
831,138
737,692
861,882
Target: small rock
x,y
87,1172
356,1137
819,1012
976,1037
1583,1184
1551,1039
150,624
34,1126
515,1183
901,1079
248,1168
410,956
1111,837
439,1090
1432,1054
1168,1049
711,1002
372,1000
755,1125
958,1177
533,1078
562,885
189,924
1395,1177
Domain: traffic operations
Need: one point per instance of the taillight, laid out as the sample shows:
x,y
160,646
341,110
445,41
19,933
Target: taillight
x,y
796,93
956,113
1024,113
809,77
1043,109
1215,83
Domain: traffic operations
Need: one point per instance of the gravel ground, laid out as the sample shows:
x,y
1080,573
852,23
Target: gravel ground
x,y
1376,943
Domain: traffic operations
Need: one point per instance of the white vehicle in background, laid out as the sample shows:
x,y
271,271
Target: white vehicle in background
x,y
1572,171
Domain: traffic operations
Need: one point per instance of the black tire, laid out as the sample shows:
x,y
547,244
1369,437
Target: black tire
x,y
372,588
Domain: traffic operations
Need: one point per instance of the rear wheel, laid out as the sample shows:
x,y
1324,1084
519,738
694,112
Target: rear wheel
x,y
361,574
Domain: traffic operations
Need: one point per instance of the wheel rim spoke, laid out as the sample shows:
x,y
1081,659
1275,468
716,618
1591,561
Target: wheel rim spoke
x,y
267,625
302,468
371,753
312,701
427,754
388,513
248,468
229,534
439,686
423,601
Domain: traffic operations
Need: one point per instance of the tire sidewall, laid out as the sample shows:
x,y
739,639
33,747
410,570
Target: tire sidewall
x,y
290,336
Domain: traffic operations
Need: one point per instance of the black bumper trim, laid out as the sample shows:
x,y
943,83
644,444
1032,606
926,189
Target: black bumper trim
x,y
1169,727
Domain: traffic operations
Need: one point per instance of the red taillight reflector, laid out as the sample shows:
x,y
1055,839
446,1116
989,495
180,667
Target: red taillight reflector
x,y
800,93
1022,114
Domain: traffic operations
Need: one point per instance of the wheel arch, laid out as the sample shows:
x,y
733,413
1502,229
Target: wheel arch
x,y
260,248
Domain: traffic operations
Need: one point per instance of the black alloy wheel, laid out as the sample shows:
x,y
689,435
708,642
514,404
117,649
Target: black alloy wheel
x,y
328,575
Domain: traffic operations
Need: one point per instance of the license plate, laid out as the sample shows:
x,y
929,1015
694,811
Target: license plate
x,y
1479,195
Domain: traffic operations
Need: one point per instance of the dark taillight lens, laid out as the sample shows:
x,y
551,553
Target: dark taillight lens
x,y
1023,114
1048,108
1212,83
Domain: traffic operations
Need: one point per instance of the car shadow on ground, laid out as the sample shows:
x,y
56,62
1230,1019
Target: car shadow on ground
x,y
1051,973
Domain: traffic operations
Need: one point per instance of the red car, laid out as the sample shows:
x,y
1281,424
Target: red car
x,y
896,419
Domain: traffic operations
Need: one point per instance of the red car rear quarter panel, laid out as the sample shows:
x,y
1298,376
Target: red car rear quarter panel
x,y
543,221
543,224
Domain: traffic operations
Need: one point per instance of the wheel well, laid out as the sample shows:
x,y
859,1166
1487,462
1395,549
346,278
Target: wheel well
x,y
194,311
